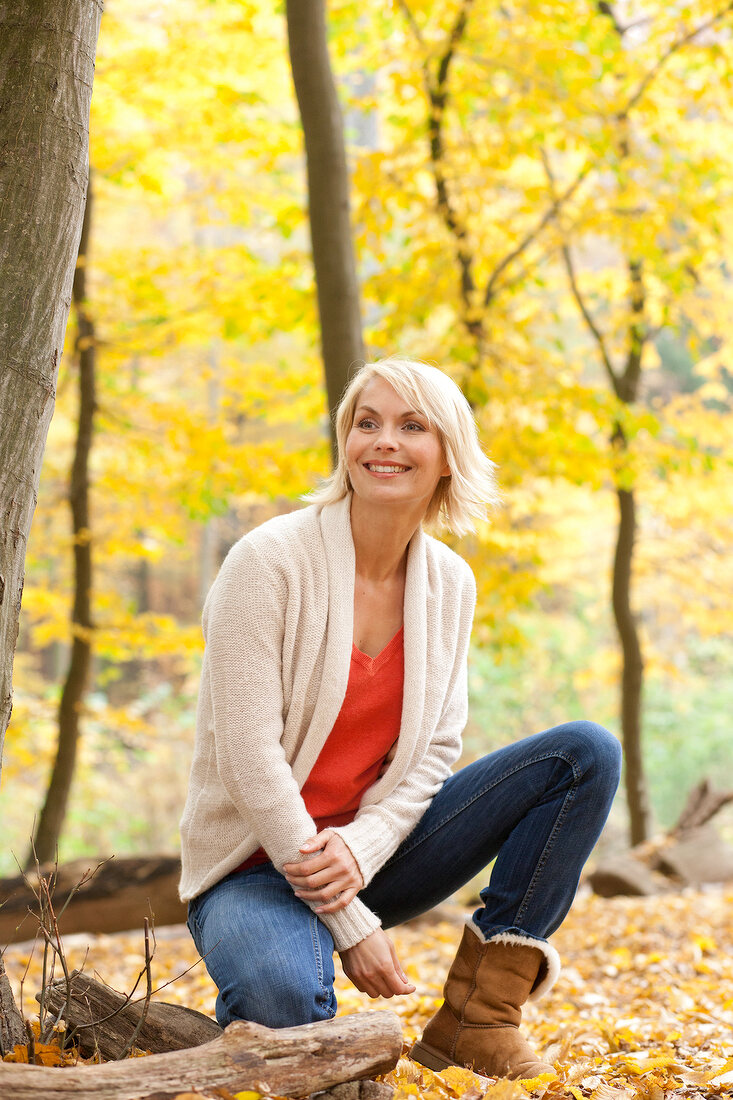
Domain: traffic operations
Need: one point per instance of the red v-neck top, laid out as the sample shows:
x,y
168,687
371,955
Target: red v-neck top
x,y
367,726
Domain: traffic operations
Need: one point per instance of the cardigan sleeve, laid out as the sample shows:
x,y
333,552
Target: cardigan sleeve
x,y
380,827
243,624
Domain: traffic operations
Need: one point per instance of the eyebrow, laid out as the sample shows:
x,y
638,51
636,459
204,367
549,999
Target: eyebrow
x,y
410,412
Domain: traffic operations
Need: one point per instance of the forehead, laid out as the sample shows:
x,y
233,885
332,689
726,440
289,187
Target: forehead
x,y
379,392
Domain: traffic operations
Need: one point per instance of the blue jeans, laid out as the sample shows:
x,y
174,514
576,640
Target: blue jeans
x,y
537,807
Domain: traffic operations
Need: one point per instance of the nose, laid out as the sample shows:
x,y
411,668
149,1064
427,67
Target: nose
x,y
387,439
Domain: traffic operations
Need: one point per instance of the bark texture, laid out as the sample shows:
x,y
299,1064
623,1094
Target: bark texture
x,y
47,50
292,1061
692,853
632,674
53,812
328,195
116,898
101,1019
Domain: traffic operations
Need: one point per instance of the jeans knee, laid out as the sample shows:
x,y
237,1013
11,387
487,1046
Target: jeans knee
x,y
597,751
276,1003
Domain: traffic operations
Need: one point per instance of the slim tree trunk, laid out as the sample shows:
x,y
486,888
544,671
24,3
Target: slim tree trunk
x,y
52,815
47,50
633,669
328,194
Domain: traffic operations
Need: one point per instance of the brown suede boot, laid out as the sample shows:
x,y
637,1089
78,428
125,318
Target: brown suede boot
x,y
477,1025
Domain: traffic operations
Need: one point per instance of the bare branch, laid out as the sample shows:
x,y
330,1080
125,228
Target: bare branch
x,y
414,26
575,289
148,994
557,202
674,48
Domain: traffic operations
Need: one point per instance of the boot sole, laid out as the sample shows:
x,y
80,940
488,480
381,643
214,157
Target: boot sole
x,y
428,1056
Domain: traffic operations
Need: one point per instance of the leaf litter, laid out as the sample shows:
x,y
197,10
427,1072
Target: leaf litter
x,y
643,1009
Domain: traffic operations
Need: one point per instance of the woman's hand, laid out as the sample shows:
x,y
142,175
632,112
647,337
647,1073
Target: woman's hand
x,y
373,967
329,874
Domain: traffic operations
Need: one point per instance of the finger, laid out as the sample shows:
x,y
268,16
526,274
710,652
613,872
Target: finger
x,y
317,897
398,967
341,902
325,891
311,863
325,895
397,986
317,880
320,840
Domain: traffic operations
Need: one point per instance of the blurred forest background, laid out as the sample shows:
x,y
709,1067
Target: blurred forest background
x,y
542,204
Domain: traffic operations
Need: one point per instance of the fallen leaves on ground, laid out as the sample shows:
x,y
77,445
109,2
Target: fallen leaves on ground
x,y
643,1009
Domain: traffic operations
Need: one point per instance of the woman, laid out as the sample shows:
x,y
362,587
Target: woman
x,y
321,808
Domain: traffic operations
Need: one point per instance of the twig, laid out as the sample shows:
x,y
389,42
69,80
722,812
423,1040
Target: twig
x,y
574,287
557,202
669,52
31,1042
85,878
148,993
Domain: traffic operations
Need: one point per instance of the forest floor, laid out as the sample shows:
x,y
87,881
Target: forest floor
x,y
643,1009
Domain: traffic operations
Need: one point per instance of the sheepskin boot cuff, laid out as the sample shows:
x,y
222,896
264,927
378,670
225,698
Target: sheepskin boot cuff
x,y
550,967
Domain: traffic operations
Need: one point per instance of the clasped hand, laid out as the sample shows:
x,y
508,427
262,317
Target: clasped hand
x,y
328,875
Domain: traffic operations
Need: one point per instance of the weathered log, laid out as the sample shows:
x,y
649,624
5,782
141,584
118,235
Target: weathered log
x,y
294,1061
699,856
628,876
114,1019
117,898
691,853
703,803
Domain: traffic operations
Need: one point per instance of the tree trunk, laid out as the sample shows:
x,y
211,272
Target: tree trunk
x,y
53,813
633,670
328,195
47,50
293,1061
12,1030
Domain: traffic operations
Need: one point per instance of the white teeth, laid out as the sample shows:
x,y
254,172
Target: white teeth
x,y
385,469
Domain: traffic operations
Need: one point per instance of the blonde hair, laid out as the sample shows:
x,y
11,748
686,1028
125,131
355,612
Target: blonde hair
x,y
459,499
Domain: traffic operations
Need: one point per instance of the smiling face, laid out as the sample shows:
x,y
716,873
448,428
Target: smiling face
x,y
393,453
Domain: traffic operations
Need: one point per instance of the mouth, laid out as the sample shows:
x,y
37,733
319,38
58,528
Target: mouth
x,y
385,468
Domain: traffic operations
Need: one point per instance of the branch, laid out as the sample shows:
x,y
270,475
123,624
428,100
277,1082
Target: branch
x,y
557,202
638,334
148,992
437,93
575,289
669,52
414,27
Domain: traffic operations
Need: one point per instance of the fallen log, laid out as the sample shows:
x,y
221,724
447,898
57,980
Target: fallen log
x,y
628,876
105,1021
294,1061
691,853
697,856
116,898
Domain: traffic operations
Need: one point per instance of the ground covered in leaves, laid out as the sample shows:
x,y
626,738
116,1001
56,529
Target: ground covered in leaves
x,y
643,1009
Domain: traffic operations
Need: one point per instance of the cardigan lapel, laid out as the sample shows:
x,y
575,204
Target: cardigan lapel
x,y
416,641
338,551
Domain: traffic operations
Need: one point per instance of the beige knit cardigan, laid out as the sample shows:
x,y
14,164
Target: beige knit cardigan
x,y
278,625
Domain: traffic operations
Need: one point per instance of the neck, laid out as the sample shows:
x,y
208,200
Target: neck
x,y
381,536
